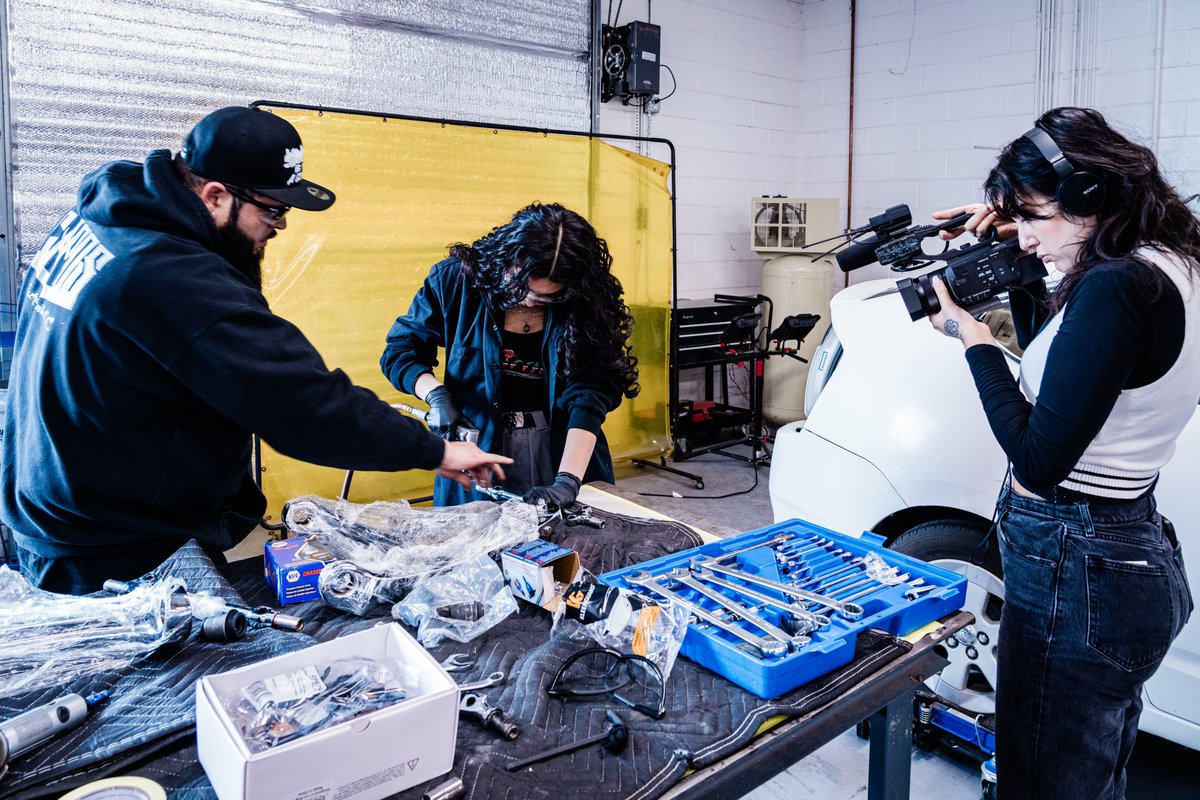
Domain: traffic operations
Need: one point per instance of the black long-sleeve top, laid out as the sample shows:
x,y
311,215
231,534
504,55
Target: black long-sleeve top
x,y
1121,330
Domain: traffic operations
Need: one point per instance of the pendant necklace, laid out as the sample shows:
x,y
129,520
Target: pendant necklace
x,y
524,312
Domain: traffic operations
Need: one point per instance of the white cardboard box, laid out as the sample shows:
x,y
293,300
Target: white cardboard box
x,y
367,758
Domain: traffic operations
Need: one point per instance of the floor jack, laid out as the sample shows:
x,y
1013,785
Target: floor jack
x,y
960,733
967,735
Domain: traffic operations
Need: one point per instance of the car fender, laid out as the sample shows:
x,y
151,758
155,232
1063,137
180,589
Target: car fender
x,y
901,391
810,468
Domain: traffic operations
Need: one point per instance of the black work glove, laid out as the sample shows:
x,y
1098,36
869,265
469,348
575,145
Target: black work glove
x,y
557,495
444,417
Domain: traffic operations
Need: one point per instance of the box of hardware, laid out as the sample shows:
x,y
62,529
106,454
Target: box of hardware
x,y
293,567
776,607
537,570
361,717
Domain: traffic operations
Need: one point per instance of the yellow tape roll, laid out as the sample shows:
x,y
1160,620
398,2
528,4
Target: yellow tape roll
x,y
118,789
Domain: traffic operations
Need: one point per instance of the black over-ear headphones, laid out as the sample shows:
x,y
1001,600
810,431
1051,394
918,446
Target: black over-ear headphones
x,y
1079,192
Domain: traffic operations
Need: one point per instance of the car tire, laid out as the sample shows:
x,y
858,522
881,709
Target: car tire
x,y
967,548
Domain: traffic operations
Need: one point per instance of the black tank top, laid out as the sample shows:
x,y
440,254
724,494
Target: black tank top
x,y
522,373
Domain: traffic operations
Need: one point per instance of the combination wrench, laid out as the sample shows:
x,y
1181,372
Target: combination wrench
x,y
495,679
778,539
793,609
683,577
770,648
849,610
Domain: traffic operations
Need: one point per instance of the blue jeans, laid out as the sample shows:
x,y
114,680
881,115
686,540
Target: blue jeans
x,y
1094,594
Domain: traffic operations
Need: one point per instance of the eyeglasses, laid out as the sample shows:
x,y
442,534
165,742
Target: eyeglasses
x,y
547,299
635,681
272,215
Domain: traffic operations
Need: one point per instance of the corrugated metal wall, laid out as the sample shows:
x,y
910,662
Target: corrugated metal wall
x,y
94,80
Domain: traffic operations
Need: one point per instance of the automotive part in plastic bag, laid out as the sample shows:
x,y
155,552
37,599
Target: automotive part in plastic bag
x,y
211,608
346,585
385,547
275,710
445,605
621,620
879,570
51,639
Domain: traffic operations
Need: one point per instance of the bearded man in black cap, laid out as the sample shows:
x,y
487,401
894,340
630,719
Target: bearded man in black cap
x,y
146,356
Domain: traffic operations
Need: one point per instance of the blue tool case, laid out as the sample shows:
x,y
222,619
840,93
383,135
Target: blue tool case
x,y
769,639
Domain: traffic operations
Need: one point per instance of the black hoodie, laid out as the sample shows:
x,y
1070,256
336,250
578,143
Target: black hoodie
x,y
143,362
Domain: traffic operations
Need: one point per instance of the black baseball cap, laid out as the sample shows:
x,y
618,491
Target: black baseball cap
x,y
253,149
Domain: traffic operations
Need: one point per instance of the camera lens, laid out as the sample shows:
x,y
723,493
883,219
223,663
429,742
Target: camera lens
x,y
920,300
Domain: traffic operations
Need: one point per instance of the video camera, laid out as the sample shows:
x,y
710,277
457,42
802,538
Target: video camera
x,y
974,273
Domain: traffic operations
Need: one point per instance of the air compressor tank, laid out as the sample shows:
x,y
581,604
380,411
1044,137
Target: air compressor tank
x,y
796,285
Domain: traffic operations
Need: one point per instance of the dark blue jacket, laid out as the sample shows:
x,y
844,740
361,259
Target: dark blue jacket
x,y
448,312
143,362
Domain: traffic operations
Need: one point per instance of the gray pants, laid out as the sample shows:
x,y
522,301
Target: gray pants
x,y
526,440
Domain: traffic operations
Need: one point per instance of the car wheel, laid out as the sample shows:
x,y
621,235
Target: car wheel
x,y
964,547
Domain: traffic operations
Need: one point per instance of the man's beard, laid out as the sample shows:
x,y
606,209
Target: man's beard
x,y
239,249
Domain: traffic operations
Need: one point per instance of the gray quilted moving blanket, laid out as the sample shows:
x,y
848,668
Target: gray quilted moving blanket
x,y
152,706
707,716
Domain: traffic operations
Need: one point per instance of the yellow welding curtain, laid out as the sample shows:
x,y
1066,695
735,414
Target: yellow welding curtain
x,y
406,190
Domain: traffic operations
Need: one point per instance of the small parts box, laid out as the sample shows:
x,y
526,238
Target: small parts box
x,y
292,568
533,569
366,758
736,589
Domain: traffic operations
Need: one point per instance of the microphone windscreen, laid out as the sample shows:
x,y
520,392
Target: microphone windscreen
x,y
858,255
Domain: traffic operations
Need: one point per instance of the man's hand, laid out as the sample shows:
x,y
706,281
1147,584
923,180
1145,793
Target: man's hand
x,y
953,321
464,463
444,417
983,219
559,494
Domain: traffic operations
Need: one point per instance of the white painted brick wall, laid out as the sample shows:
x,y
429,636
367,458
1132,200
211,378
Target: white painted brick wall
x,y
964,73
736,123
940,86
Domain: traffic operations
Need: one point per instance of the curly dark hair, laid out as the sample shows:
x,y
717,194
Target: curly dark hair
x,y
553,242
1140,207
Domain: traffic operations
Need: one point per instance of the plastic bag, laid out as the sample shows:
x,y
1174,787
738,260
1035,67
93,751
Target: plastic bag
x,y
879,570
51,639
619,619
276,710
385,548
459,604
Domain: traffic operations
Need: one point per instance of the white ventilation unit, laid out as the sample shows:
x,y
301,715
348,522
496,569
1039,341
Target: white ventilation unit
x,y
790,224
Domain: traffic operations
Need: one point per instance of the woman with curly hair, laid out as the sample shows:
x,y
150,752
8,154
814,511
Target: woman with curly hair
x,y
536,335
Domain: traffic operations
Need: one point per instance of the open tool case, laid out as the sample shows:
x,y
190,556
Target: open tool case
x,y
801,555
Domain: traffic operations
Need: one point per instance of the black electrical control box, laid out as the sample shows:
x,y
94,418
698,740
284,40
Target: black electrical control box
x,y
630,61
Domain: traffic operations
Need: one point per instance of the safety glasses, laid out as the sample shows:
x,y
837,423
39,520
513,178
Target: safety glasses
x,y
272,215
633,680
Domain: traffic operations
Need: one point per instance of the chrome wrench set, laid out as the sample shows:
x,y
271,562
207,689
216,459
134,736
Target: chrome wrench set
x,y
771,617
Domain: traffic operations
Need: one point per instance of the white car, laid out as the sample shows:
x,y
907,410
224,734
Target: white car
x,y
896,442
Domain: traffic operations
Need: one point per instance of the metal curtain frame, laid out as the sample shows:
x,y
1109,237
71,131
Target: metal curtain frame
x,y
545,131
595,65
8,242
523,129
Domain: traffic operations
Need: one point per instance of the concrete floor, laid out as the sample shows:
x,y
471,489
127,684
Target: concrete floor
x,y
1159,770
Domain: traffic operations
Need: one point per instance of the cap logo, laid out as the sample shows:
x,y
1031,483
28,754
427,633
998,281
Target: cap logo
x,y
293,159
318,192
